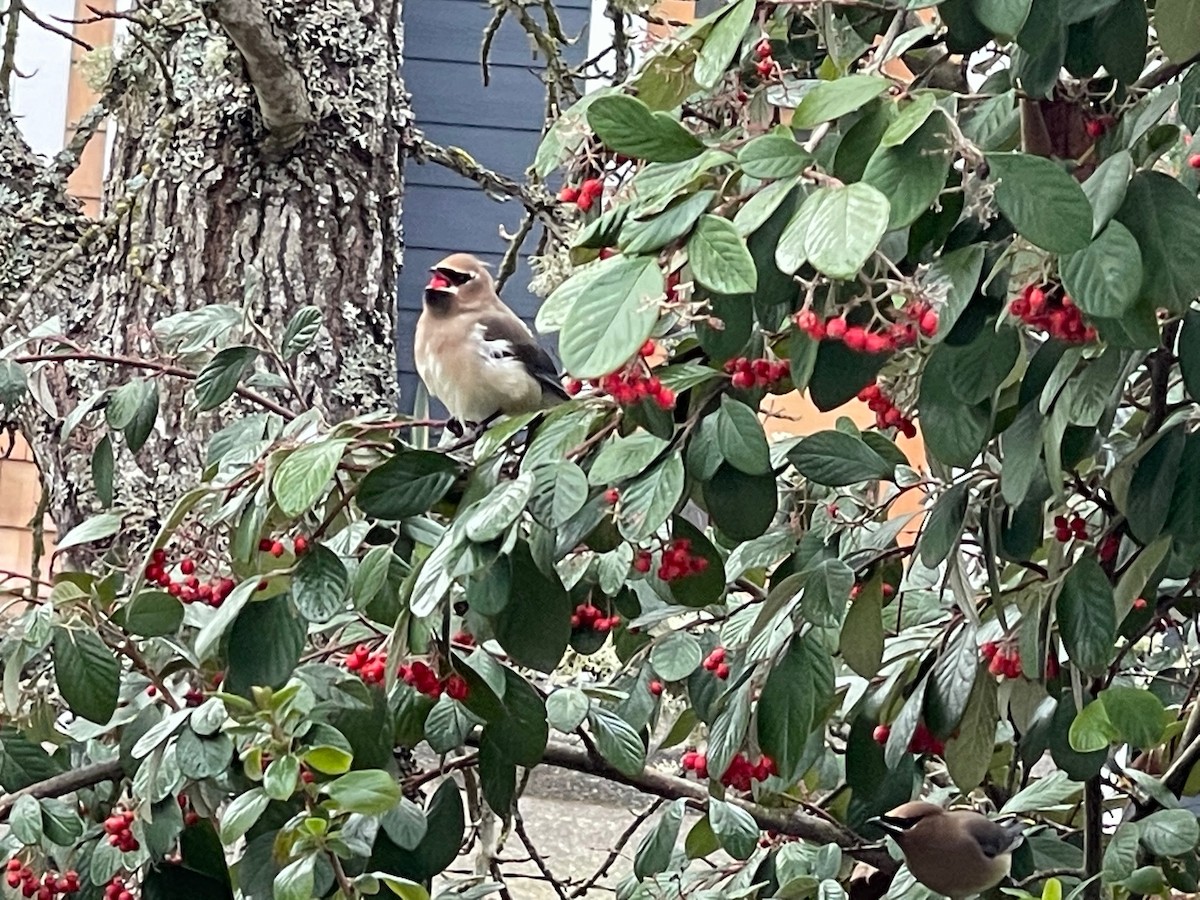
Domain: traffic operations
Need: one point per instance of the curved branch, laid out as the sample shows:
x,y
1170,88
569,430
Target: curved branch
x,y
278,84
66,783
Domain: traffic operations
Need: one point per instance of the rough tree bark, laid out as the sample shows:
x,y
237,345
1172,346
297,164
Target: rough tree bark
x,y
257,164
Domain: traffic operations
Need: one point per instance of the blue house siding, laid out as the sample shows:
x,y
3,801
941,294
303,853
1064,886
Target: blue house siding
x,y
499,125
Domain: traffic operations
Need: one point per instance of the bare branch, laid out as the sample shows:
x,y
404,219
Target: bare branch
x,y
618,846
66,783
519,827
278,84
9,52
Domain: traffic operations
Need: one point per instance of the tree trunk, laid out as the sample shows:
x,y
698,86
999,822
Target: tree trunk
x,y
217,194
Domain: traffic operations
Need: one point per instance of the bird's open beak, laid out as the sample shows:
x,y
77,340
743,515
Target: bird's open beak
x,y
438,282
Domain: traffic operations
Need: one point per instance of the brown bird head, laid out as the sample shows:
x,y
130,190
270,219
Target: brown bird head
x,y
461,283
907,816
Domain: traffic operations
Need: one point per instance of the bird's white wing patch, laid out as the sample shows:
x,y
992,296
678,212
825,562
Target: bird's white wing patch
x,y
497,348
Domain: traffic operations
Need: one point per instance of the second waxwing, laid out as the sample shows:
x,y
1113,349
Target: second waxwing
x,y
958,852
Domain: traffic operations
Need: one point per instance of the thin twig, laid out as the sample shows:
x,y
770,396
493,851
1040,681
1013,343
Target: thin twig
x,y
615,853
519,827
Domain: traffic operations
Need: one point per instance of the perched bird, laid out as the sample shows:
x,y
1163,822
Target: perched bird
x,y
953,852
474,353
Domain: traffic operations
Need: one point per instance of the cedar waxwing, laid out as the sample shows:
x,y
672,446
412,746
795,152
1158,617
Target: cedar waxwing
x,y
474,353
953,852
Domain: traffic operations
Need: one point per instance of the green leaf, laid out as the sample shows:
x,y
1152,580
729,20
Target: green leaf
x,y
102,470
401,887
654,852
522,734
719,257
742,506
721,46
1148,500
797,687
951,684
734,827
25,820
1021,449
627,126
611,318
1120,856
957,274
772,156
152,614
220,376
301,331
835,459
14,385
675,655
741,439
833,99
827,586
90,530
1169,832
624,457
406,485
535,625
969,753
566,709
861,642
560,491
371,792
1105,277
1045,204
304,474
405,824
1121,35
654,233
944,526
1087,617
255,662
1106,189
648,502
617,741
133,408
758,209
1164,218
502,507
844,227
1003,18
281,777
1177,23
320,584
241,814
295,880
1136,714
88,675
912,174
1188,351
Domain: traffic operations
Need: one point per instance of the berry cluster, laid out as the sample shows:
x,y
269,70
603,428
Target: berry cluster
x,y
887,414
117,889
766,64
630,384
923,740
419,676
1053,312
119,828
591,618
371,667
48,887
678,561
584,195
188,587
921,320
748,373
276,547
1065,529
715,663
742,773
190,816
1004,660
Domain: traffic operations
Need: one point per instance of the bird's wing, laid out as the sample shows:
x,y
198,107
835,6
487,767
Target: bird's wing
x,y
994,838
505,336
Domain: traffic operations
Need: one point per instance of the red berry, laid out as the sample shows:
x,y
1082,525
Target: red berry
x,y
568,195
722,671
1094,128
187,567
855,338
929,323
763,49
835,329
717,655
611,496
641,562
573,386
665,398
1139,603
765,67
585,202
648,349
881,734
307,776
743,380
593,187
988,649
299,544
277,548
656,688
457,687
1194,161
264,545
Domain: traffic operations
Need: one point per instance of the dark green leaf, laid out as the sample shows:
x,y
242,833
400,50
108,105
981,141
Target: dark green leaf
x,y
25,820
741,439
836,460
797,687
301,331
1177,23
957,273
204,757
1189,351
320,584
87,673
152,614
522,734
721,46
626,125
771,156
1170,832
1087,616
497,776
617,741
1149,498
827,586
1045,204
1004,18
648,502
944,526
405,824
535,625
861,642
14,385
138,428
734,827
654,233
654,853
1105,277
102,470
742,506
969,751
625,457
406,485
844,227
912,175
1106,189
256,661
951,683
220,376
1164,218
833,99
